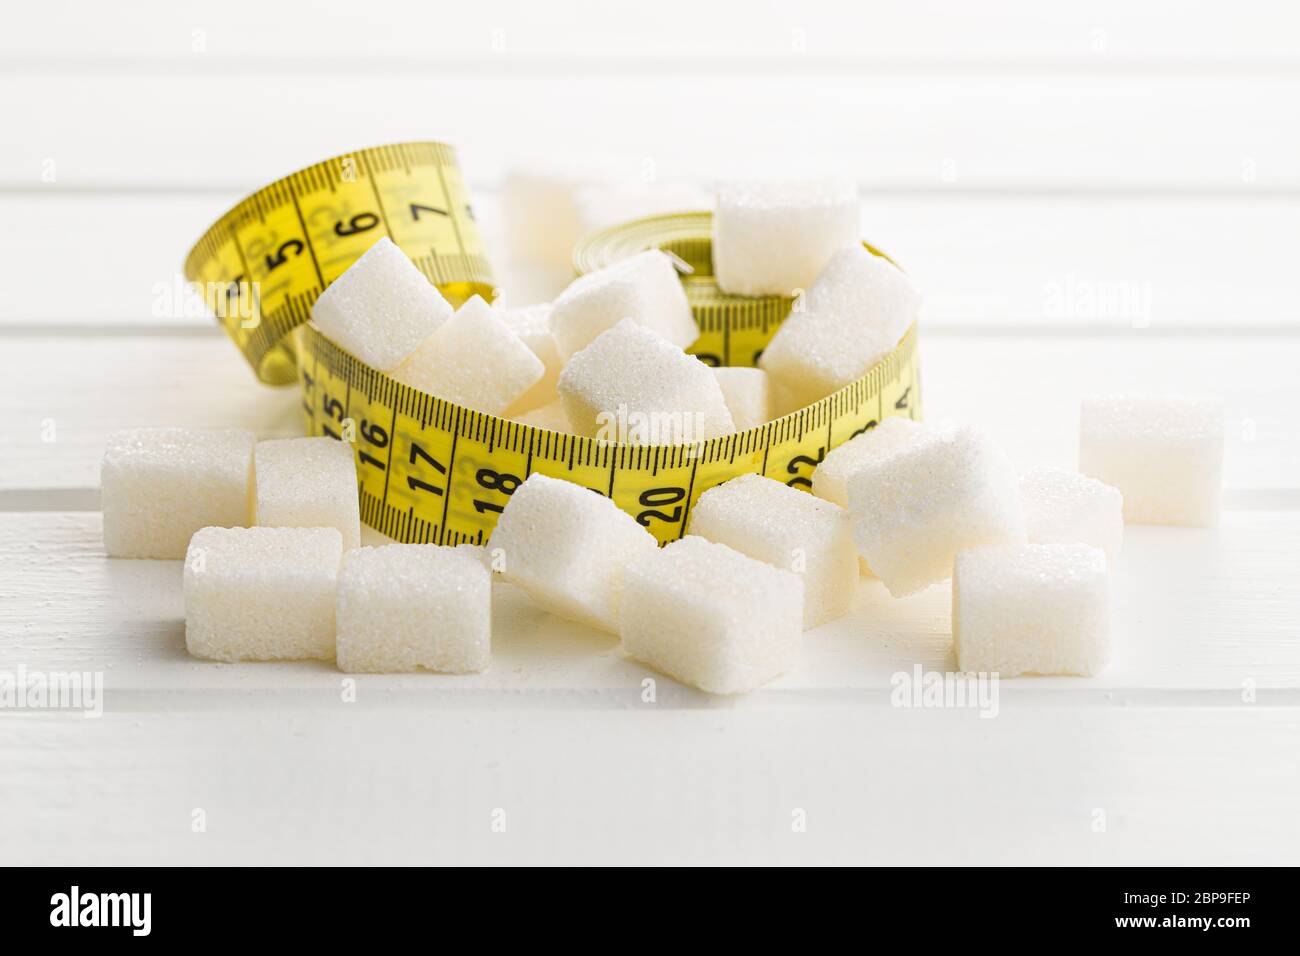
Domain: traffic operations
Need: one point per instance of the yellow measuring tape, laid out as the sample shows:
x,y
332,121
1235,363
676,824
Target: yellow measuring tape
x,y
433,471
262,265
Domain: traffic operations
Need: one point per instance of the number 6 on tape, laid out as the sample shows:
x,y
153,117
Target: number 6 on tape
x,y
262,265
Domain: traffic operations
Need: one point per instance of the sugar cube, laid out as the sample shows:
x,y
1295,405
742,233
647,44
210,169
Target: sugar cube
x,y
853,316
402,607
830,478
631,385
710,616
785,401
566,546
476,551
261,594
747,396
1065,507
1164,454
542,220
644,288
551,417
539,204
473,359
1031,609
857,282
915,509
772,522
532,323
381,308
773,238
160,485
308,483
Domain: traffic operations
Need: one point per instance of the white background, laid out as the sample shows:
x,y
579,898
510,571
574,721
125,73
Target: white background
x,y
1023,160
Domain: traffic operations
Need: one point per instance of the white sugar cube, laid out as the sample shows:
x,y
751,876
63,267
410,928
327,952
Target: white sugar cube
x,y
261,594
160,485
773,238
539,204
1031,609
831,477
644,288
857,282
785,401
473,359
631,385
1164,454
542,221
566,546
786,528
747,395
551,417
854,315
381,308
710,616
532,323
476,551
308,483
1065,507
915,509
403,607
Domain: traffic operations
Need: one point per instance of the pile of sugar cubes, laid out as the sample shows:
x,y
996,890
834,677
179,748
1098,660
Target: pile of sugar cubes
x,y
270,531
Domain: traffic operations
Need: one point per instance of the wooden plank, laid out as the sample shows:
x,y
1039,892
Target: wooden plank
x,y
1233,134
1029,263
348,783
1159,264
63,395
1025,391
125,252
1195,612
1107,33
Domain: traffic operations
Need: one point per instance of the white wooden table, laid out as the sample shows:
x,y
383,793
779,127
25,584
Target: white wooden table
x,y
1099,200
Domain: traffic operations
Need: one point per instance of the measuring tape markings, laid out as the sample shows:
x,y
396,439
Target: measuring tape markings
x,y
292,238
432,471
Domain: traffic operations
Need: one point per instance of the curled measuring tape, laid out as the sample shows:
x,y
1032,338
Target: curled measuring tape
x,y
262,265
429,470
